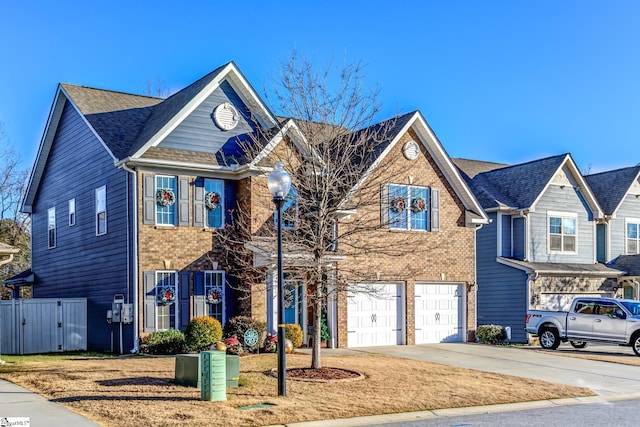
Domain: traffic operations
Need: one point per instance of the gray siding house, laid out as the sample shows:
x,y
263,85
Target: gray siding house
x,y
539,250
618,236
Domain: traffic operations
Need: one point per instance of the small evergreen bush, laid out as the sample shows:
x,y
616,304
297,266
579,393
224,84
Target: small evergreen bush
x,y
491,334
237,326
165,342
324,329
293,332
201,332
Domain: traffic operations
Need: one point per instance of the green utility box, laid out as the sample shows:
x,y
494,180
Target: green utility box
x,y
213,383
188,370
233,370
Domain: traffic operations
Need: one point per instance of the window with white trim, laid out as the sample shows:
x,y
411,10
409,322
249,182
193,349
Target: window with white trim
x,y
165,200
166,300
51,227
408,207
289,211
562,232
101,211
72,212
633,236
214,294
214,202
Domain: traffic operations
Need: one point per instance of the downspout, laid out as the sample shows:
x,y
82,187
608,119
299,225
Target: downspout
x,y
136,290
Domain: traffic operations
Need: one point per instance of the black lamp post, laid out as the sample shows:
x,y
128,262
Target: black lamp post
x,y
279,183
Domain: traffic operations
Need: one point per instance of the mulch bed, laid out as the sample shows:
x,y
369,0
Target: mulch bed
x,y
323,374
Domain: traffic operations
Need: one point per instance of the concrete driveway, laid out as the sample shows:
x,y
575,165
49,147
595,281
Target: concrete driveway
x,y
607,379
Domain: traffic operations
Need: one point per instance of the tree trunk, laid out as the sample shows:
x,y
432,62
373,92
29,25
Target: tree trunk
x,y
316,362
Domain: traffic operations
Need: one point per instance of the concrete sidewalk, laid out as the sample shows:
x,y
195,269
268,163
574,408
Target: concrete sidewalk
x,y
18,402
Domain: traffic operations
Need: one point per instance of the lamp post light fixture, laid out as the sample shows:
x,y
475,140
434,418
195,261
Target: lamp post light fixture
x,y
279,183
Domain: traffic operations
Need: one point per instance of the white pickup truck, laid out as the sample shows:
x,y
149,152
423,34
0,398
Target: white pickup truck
x,y
589,319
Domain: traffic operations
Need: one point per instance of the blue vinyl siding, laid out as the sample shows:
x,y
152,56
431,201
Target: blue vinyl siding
x,y
629,208
567,200
519,237
82,264
506,236
501,295
198,131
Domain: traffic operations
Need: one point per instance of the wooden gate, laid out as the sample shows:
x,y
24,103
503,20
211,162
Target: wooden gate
x,y
43,325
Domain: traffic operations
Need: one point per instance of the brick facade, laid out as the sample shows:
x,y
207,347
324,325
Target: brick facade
x,y
445,256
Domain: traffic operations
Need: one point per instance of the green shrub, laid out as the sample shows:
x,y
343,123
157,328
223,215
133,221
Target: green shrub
x,y
324,329
293,332
201,332
237,326
165,342
491,334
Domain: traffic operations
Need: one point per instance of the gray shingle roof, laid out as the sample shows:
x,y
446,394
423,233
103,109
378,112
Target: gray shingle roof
x,y
597,269
630,264
610,187
516,186
117,117
471,168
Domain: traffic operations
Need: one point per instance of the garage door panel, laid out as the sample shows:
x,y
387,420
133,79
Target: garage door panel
x,y
438,313
375,319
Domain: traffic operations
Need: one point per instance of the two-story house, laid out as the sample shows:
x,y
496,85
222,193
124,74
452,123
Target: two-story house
x,y
128,191
539,250
618,236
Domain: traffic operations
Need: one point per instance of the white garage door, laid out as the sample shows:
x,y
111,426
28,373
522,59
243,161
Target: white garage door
x,y
375,319
439,313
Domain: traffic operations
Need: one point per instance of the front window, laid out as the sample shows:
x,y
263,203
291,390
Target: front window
x,y
51,227
409,207
290,210
633,237
214,292
101,211
166,300
214,202
562,233
165,200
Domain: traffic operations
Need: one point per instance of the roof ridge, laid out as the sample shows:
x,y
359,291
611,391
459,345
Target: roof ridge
x,y
111,91
526,163
614,170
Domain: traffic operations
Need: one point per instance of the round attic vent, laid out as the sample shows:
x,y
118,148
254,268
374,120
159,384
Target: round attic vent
x,y
411,150
226,116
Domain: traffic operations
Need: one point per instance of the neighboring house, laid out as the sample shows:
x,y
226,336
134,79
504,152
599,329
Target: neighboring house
x,y
538,252
618,236
128,190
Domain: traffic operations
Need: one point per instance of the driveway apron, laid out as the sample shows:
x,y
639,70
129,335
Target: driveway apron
x,y
605,378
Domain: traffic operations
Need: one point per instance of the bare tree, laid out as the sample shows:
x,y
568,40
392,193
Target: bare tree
x,y
333,156
14,225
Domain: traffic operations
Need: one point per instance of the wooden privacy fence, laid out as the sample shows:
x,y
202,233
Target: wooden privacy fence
x,y
43,325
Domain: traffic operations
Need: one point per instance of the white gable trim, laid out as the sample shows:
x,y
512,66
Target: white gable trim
x,y
582,186
297,138
60,100
231,74
615,211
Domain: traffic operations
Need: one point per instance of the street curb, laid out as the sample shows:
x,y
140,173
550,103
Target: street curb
x,y
452,412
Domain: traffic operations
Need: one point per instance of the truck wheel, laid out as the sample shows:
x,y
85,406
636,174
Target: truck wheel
x,y
578,344
635,343
550,339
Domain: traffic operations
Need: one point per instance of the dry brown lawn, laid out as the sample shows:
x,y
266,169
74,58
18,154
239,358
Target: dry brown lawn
x,y
133,391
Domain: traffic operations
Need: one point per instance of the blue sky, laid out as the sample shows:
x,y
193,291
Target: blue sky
x,y
503,81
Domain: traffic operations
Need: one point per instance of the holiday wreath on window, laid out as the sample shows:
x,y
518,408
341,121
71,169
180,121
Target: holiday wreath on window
x,y
418,205
398,205
166,295
214,295
212,200
165,197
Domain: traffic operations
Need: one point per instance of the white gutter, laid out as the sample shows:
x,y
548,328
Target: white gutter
x,y
136,290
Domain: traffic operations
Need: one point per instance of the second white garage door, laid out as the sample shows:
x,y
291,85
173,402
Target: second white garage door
x,y
375,320
439,313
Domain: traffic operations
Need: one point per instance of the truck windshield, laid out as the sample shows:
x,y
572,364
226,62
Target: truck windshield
x,y
633,307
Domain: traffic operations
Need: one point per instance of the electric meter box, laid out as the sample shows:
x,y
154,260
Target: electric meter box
x,y
126,315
